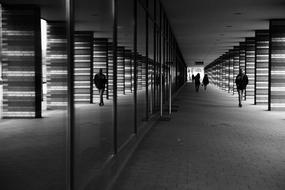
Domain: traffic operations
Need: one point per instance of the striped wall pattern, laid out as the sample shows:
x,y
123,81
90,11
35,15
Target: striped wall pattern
x,y
139,72
215,75
83,67
128,71
227,59
100,61
220,72
133,72
121,71
110,72
250,67
231,71
242,59
21,61
277,64
56,66
261,66
263,59
236,65
143,72
224,73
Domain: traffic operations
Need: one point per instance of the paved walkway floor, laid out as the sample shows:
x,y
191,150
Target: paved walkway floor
x,y
210,144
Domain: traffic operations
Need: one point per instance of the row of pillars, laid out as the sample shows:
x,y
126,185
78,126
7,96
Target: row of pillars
x,y
27,70
262,58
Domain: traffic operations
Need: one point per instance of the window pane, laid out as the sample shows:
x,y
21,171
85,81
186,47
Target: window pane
x,y
125,68
93,88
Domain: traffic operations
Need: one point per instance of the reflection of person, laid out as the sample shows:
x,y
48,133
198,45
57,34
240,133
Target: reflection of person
x,y
197,82
100,81
193,77
205,81
241,83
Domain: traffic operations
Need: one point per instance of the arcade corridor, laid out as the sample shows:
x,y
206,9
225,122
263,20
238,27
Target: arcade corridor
x,y
210,144
95,94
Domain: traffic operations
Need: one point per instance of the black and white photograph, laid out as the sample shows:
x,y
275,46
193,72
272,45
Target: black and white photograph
x,y
142,95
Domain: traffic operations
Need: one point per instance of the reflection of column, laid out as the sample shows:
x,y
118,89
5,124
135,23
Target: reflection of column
x,y
236,65
128,71
220,72
56,65
143,72
229,72
100,61
139,72
224,72
133,72
83,67
147,63
226,62
155,54
120,71
261,66
277,65
249,69
110,70
21,61
231,78
151,85
242,60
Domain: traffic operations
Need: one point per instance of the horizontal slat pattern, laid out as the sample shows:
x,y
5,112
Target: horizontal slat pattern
x,y
250,68
56,65
262,64
82,67
277,64
19,52
128,71
100,61
121,70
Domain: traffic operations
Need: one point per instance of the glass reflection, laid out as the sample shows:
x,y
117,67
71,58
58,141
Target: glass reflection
x,y
141,41
93,88
125,101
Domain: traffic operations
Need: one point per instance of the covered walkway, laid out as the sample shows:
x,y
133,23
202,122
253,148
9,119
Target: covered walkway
x,y
210,143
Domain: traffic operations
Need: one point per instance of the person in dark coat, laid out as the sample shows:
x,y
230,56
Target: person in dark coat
x,y
205,81
197,82
241,83
100,82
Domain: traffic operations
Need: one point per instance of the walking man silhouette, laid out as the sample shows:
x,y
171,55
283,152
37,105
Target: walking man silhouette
x,y
100,81
241,83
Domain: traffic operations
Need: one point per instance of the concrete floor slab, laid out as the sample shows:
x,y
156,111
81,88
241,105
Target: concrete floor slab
x,y
210,143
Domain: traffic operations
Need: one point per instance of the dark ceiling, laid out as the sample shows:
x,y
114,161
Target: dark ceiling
x,y
205,29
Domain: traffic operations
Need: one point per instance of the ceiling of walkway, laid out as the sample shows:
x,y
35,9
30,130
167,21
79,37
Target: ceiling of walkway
x,y
205,29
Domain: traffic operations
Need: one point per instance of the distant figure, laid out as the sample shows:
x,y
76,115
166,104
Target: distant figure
x,y
241,83
205,81
197,82
193,78
100,81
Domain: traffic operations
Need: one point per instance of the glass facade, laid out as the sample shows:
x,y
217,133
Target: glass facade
x,y
81,82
